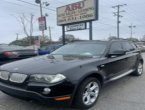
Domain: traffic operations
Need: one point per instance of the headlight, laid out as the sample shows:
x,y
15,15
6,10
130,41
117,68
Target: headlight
x,y
47,78
4,75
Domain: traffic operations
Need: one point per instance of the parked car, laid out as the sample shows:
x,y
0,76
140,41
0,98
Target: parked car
x,y
141,47
73,74
48,49
9,53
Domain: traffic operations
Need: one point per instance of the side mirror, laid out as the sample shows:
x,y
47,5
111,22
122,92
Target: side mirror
x,y
117,53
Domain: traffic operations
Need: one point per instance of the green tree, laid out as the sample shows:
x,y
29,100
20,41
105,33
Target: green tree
x,y
112,38
26,41
69,38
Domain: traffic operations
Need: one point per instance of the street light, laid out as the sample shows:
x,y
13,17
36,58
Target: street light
x,y
37,1
131,29
44,3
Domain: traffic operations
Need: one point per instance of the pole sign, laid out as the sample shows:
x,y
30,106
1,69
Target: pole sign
x,y
42,23
75,27
85,10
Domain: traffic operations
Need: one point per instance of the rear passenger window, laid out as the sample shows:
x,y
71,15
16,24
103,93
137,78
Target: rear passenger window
x,y
133,45
128,46
115,47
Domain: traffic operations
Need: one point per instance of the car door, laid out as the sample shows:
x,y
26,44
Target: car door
x,y
115,64
131,54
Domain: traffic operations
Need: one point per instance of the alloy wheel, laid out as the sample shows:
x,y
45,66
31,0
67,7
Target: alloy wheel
x,y
91,93
140,68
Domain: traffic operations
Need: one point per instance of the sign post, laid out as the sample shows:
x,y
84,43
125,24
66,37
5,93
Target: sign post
x,y
63,34
91,30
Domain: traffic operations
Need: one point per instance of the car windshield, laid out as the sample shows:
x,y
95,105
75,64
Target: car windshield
x,y
84,49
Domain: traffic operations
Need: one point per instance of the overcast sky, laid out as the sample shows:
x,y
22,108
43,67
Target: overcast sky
x,y
10,10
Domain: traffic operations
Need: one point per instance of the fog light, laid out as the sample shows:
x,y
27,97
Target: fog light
x,y
46,91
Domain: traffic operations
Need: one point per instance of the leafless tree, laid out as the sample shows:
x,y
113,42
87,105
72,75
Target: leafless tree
x,y
27,25
25,21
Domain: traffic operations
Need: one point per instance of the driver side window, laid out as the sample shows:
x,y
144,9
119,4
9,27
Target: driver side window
x,y
116,46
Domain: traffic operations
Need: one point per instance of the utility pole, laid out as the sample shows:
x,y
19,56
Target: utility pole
x,y
131,30
41,11
17,38
117,14
50,35
91,30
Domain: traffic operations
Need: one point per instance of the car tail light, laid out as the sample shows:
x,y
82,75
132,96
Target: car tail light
x,y
11,54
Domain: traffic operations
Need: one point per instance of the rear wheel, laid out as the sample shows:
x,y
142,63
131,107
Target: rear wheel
x,y
139,69
87,93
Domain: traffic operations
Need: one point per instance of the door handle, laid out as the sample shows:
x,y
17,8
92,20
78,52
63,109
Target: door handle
x,y
102,66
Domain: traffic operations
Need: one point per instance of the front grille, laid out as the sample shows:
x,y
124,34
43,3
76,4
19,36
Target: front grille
x,y
4,75
18,78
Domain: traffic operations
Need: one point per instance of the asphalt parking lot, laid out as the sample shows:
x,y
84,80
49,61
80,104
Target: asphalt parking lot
x,y
127,93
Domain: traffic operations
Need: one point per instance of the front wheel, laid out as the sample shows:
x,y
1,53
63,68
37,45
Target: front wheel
x,y
139,69
87,93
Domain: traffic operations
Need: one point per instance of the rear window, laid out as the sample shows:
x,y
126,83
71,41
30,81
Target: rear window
x,y
133,45
128,46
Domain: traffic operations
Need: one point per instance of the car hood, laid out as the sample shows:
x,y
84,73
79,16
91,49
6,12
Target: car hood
x,y
48,64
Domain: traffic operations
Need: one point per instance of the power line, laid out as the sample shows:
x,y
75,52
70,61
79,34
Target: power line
x,y
16,4
137,19
106,24
64,2
12,3
36,5
20,5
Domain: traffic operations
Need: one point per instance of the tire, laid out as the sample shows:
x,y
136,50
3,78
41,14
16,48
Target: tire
x,y
85,96
139,69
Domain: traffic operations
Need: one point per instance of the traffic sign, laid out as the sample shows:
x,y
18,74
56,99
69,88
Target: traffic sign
x,y
42,23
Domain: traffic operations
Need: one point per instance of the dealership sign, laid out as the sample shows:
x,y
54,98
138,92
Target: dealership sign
x,y
75,27
86,10
42,23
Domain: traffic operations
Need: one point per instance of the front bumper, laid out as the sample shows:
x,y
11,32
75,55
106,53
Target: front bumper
x,y
23,93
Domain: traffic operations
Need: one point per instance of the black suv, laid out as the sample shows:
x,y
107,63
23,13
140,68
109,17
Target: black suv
x,y
73,74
